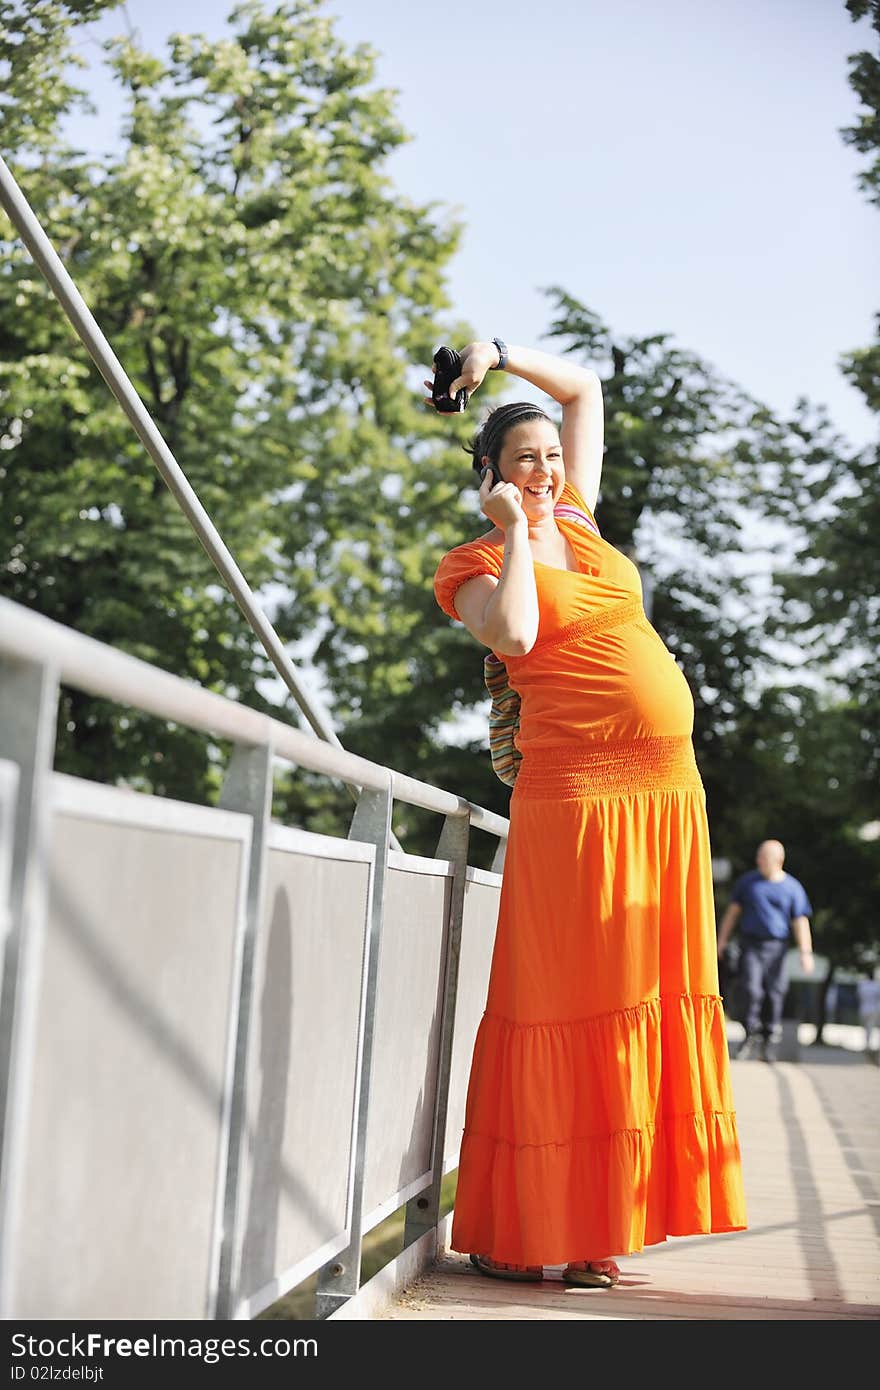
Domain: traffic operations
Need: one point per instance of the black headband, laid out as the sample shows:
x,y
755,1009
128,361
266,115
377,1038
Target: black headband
x,y
502,419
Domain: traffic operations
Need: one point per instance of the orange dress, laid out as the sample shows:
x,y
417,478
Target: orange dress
x,y
599,1115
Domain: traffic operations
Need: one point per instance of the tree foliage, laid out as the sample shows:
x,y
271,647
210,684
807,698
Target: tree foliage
x,y
820,780
36,56
267,290
864,78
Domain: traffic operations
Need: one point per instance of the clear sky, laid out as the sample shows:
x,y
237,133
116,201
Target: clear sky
x,y
676,166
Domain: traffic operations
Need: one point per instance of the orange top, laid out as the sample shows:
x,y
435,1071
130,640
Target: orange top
x,y
631,687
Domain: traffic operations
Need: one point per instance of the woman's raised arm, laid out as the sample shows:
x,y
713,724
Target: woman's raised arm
x,y
577,389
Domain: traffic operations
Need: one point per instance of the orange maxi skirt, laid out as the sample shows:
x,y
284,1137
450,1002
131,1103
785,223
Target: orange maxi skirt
x,y
599,1114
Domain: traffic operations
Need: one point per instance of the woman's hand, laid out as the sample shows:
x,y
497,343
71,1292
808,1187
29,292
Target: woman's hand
x,y
501,503
476,360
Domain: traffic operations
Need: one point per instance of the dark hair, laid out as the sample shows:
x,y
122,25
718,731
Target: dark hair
x,y
489,438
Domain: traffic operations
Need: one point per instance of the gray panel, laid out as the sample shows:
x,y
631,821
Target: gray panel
x,y
477,942
407,1033
303,1066
126,1143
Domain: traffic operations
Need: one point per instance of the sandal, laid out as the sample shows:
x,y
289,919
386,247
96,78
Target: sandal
x,y
591,1277
521,1275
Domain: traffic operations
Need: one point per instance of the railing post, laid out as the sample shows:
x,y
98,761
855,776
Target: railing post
x,y
423,1212
339,1279
28,715
247,787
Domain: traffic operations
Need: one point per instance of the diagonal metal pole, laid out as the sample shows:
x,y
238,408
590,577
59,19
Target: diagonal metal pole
x,y
60,283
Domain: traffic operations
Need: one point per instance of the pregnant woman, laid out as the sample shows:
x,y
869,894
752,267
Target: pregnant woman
x,y
599,1115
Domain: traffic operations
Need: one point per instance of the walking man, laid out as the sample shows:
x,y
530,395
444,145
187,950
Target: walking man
x,y
772,904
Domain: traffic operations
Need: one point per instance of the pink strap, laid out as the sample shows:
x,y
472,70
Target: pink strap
x,y
572,513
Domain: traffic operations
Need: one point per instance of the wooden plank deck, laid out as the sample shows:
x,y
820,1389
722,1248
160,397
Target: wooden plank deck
x,y
810,1136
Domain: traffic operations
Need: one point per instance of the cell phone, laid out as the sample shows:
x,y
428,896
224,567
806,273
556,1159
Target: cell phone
x,y
487,468
447,366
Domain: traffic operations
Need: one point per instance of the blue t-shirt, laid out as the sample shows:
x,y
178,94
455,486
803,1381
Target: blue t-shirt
x,y
768,907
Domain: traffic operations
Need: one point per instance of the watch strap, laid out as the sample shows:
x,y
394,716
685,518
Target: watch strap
x,y
502,355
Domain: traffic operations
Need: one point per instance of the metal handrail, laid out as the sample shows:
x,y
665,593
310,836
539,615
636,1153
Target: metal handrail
x,y
92,666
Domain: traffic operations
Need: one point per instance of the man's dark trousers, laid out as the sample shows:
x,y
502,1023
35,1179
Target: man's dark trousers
x,y
763,983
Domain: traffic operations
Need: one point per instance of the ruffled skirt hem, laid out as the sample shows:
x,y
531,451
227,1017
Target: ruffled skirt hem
x,y
597,1137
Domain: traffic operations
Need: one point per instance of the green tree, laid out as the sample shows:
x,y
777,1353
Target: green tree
x,y
268,291
36,57
864,78
831,592
846,546
814,745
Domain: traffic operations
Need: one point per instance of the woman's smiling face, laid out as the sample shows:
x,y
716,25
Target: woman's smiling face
x,y
531,459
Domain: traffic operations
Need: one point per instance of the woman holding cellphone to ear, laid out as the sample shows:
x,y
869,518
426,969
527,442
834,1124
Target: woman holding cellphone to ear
x,y
599,1113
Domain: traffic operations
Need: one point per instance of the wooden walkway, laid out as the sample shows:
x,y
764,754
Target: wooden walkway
x,y
810,1136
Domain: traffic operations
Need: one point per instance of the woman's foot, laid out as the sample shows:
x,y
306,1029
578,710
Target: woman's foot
x,y
593,1274
499,1269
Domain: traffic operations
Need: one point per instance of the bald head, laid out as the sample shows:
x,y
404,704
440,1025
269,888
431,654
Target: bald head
x,y
770,857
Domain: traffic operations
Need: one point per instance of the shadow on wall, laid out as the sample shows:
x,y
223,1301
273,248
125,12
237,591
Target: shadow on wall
x,y
107,958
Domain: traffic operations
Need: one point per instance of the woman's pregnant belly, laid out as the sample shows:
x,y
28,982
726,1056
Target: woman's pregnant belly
x,y
615,686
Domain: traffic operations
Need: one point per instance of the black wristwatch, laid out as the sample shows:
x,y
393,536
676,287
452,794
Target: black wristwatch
x,y
502,355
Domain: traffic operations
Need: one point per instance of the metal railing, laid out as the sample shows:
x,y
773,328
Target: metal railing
x,y
36,657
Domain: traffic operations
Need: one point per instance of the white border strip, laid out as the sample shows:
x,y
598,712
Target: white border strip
x,y
393,1204
75,796
420,864
286,1282
294,841
485,876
